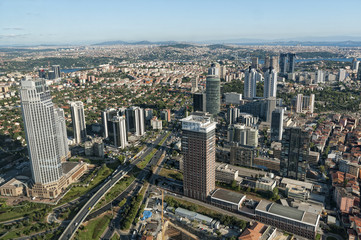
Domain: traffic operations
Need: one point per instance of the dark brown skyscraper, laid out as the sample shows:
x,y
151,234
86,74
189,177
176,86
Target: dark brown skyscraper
x,y
199,151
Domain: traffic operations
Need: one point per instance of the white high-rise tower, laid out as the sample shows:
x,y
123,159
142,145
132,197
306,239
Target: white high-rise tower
x,y
250,84
41,133
78,118
270,84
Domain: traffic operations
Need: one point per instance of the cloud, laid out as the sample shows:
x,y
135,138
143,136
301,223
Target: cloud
x,y
12,36
13,28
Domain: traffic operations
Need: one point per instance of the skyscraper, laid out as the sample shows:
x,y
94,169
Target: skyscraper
x,y
283,63
270,84
294,153
291,62
355,64
213,91
42,136
305,104
320,75
199,151
62,134
250,84
119,129
135,120
267,63
275,63
254,63
78,119
277,124
341,75
243,135
232,115
107,117
195,84
199,102
56,69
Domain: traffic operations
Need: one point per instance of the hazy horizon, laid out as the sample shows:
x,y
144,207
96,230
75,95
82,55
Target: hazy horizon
x,y
68,22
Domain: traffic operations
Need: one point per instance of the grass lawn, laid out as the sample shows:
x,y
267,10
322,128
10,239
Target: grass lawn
x,y
115,236
94,228
171,173
147,158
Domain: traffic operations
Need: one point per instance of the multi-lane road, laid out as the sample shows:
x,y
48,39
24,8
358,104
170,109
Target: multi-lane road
x,y
118,174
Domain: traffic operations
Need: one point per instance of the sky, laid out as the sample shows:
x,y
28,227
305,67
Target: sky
x,y
27,22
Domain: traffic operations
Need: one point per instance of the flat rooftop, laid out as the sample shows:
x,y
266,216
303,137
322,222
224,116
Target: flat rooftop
x,y
228,196
288,212
68,166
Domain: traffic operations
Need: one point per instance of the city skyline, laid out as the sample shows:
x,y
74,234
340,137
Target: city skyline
x,y
92,22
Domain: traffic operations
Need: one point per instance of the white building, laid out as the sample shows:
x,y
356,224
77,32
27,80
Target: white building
x,y
135,120
62,134
232,98
119,132
41,131
270,84
156,123
250,86
78,119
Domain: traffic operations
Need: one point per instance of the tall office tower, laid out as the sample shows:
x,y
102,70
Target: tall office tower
x,y
299,102
232,115
254,63
56,69
119,139
51,75
41,136
294,153
107,117
135,120
42,73
199,102
274,63
243,135
291,62
267,63
195,84
165,115
308,103
355,64
148,115
342,75
270,84
250,84
222,71
62,134
269,107
78,119
283,63
320,76
277,124
213,91
199,152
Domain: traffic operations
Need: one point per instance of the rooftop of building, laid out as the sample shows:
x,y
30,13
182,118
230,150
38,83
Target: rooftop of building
x,y
16,182
288,212
228,196
254,232
68,166
225,168
287,181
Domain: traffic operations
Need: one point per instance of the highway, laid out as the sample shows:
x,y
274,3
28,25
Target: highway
x,y
118,174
